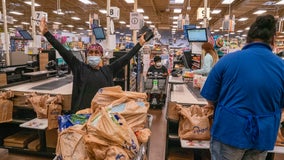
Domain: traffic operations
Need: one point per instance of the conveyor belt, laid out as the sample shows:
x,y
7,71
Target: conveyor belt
x,y
193,90
54,84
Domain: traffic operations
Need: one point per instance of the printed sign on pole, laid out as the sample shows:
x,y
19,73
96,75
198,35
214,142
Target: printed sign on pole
x,y
136,20
39,15
201,13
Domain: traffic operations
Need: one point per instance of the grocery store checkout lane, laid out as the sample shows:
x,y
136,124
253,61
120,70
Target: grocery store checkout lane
x,y
51,85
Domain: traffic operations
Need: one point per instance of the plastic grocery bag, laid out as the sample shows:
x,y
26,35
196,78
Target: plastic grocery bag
x,y
194,123
109,129
66,121
71,145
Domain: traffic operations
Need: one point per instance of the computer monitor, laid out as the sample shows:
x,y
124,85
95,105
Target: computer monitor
x,y
187,59
25,34
197,35
99,33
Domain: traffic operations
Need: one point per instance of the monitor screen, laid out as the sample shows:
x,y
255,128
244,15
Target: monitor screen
x,y
25,34
197,35
99,33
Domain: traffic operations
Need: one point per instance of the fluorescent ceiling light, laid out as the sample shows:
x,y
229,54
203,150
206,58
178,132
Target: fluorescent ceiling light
x,y
216,11
152,26
128,26
175,22
122,22
80,28
87,2
175,26
129,1
87,22
25,23
103,11
15,20
76,18
57,23
148,22
247,28
74,32
216,30
30,3
146,17
140,10
16,13
239,31
243,19
176,1
58,12
227,1
175,17
177,10
117,32
70,26
259,12
280,2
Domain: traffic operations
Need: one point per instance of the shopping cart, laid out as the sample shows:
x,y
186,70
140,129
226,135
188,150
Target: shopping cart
x,y
155,88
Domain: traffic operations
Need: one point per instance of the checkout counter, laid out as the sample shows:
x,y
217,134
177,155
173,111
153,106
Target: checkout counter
x,y
182,92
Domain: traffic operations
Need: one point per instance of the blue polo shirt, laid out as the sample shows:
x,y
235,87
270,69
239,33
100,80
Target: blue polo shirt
x,y
248,88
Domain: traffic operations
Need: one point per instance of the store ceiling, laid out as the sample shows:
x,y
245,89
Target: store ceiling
x,y
160,12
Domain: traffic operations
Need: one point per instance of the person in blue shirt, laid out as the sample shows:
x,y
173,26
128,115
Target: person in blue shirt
x,y
246,89
209,59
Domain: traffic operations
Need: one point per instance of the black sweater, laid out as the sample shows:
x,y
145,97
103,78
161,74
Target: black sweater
x,y
86,80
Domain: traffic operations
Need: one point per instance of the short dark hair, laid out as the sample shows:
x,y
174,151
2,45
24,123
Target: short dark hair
x,y
264,28
157,58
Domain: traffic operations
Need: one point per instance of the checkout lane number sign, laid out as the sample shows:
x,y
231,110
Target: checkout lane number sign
x,y
38,16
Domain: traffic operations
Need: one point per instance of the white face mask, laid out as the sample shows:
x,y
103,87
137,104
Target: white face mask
x,y
159,64
93,61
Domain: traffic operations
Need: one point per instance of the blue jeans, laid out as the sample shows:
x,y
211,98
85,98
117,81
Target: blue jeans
x,y
221,151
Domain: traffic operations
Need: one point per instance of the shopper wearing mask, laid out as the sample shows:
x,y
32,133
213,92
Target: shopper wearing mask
x,y
157,68
209,59
246,88
88,78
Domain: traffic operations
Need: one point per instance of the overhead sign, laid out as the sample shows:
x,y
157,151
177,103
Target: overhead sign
x,y
10,19
136,20
39,15
201,13
114,12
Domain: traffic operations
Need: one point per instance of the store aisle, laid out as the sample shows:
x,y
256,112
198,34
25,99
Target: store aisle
x,y
158,136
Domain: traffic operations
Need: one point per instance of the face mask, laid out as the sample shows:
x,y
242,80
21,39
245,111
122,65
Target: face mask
x,y
159,64
93,61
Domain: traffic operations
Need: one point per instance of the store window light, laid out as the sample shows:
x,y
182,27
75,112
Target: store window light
x,y
129,1
103,11
280,2
259,12
227,1
243,19
216,11
177,10
16,13
30,3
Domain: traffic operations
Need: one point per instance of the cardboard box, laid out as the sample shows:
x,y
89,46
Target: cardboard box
x,y
51,138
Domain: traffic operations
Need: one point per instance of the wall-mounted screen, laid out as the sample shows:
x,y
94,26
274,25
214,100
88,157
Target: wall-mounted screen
x,y
197,35
99,33
25,34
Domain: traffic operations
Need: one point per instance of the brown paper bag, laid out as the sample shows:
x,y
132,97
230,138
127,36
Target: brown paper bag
x,y
71,145
173,111
109,129
194,123
6,106
39,103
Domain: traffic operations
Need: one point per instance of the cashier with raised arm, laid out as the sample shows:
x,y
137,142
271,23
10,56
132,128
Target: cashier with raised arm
x,y
89,77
